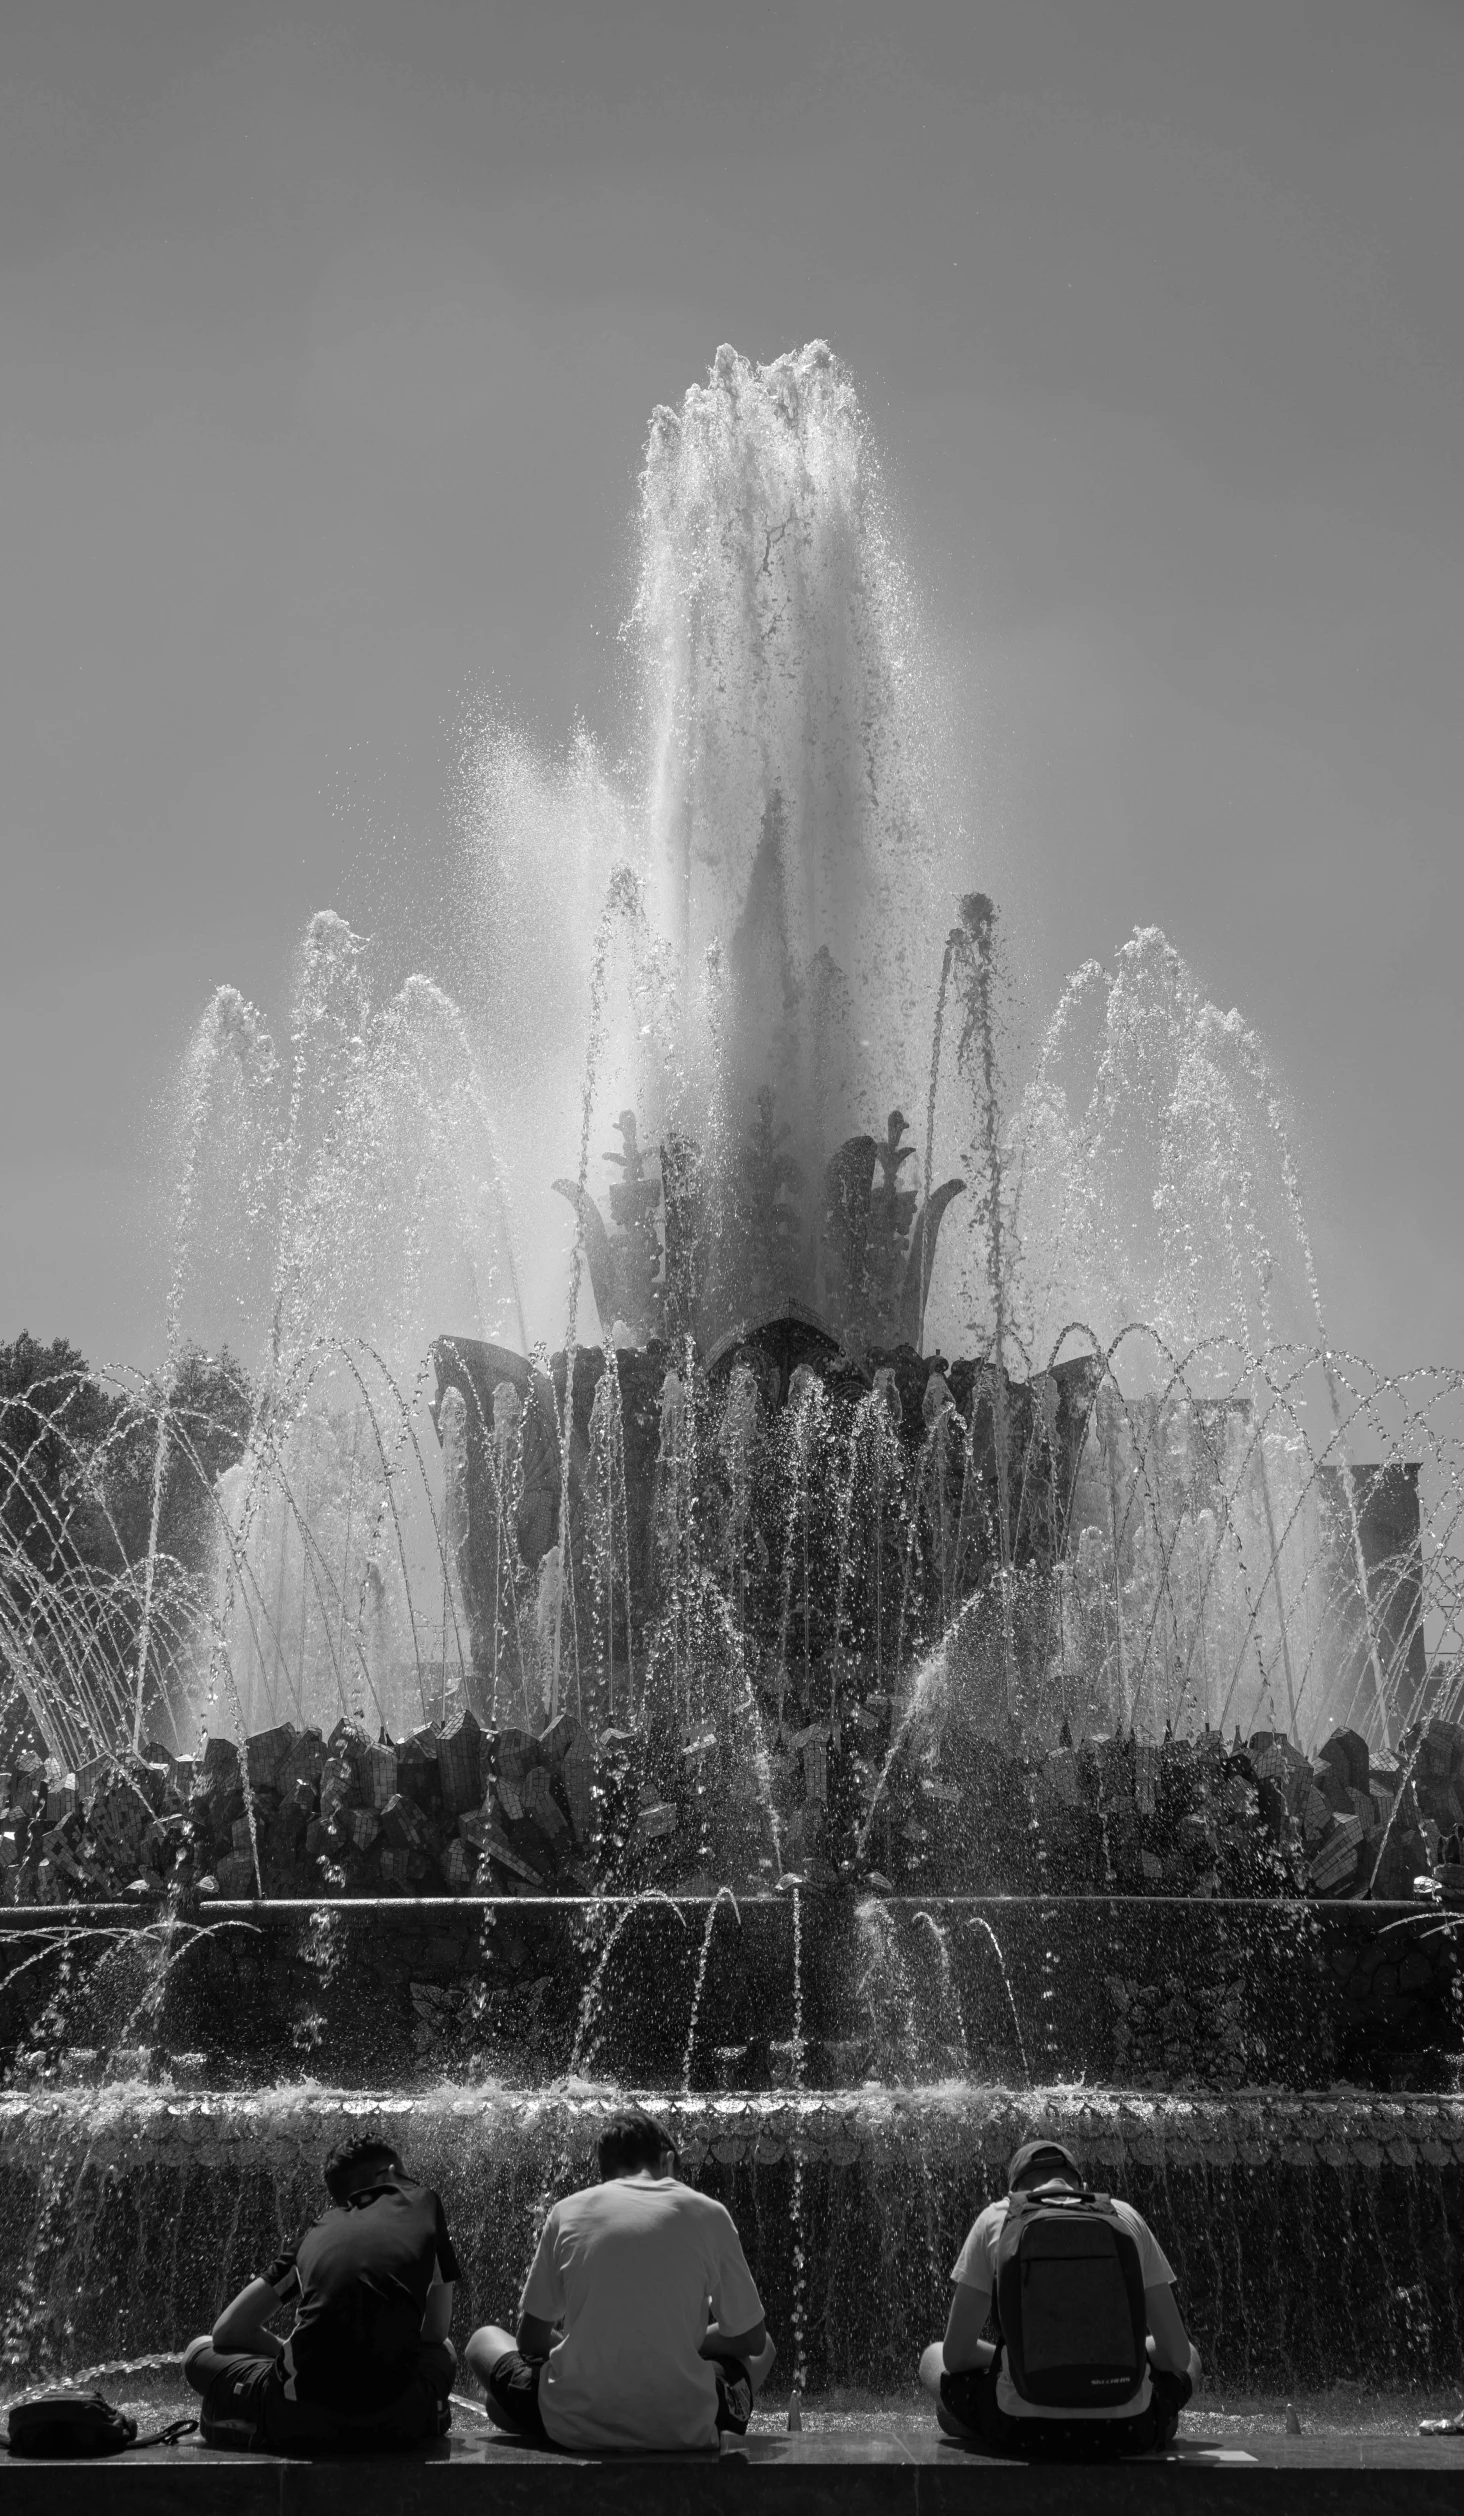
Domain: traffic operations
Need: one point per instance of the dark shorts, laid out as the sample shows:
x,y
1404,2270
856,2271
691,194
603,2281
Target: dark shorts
x,y
245,2405
513,2397
970,2400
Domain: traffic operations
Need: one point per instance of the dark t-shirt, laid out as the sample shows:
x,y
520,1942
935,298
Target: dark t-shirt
x,y
364,2268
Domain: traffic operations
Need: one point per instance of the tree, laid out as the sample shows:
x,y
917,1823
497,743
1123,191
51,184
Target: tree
x,y
79,1474
53,1418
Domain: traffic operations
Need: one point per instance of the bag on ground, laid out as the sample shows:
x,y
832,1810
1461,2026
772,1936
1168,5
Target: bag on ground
x,y
69,2424
76,2425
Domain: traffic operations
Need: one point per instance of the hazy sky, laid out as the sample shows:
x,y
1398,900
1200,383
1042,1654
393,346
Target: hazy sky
x,y
329,338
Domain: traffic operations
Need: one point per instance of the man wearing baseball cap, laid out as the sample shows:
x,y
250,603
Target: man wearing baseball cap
x,y
976,2400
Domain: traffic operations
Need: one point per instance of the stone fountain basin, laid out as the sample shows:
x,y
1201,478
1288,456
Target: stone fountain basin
x,y
1317,2238
826,1990
173,2088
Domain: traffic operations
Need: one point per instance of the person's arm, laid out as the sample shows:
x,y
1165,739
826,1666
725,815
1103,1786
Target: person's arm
x,y
243,2323
541,2310
751,2349
1170,2346
736,2325
963,2347
437,2314
716,2344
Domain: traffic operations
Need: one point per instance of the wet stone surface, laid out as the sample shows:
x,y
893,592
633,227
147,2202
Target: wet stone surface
x,y
659,1990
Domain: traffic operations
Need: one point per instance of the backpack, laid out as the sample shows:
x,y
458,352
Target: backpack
x,y
1070,2301
77,2425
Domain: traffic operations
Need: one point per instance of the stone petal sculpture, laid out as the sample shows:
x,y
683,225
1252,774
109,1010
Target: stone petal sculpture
x,y
920,1262
614,1297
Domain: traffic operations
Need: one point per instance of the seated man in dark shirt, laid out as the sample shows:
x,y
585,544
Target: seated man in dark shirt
x,y
368,2361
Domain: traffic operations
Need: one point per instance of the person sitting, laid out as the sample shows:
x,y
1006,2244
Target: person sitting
x,y
368,2361
640,2325
1091,2357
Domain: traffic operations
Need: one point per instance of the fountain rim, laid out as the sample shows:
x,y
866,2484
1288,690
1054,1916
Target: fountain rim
x,y
63,1917
1110,2106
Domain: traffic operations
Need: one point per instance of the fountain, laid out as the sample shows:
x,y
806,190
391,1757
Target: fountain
x,y
833,1671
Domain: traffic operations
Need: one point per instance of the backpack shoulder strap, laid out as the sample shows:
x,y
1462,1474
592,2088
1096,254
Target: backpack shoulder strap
x,y
165,2437
1024,2205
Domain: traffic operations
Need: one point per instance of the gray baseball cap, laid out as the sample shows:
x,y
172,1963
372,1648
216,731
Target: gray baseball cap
x,y
1041,2153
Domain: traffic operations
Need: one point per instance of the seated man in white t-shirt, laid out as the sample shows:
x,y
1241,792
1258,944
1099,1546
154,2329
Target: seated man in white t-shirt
x,y
640,2325
976,2399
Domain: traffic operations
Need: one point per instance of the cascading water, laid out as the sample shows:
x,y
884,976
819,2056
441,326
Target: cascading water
x,y
839,1551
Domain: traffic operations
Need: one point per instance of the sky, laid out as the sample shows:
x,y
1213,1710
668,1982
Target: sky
x,y
330,337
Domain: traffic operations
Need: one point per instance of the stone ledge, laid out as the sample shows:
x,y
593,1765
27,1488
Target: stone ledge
x,y
901,2471
1108,2126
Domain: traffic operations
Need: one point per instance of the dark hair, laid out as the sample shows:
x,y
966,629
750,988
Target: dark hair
x,y
364,2149
631,2140
1038,2162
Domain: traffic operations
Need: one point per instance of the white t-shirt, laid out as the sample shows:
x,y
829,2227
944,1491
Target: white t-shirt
x,y
975,2268
636,2268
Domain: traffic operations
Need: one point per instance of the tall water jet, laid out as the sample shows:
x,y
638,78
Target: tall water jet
x,y
788,831
230,1024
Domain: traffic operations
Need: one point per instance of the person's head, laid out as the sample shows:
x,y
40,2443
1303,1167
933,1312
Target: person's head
x,y
358,2162
634,2143
1042,2162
